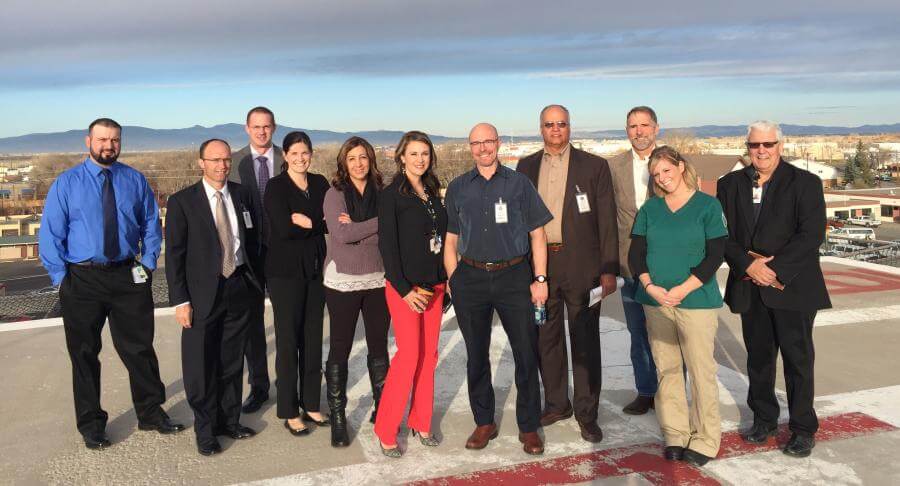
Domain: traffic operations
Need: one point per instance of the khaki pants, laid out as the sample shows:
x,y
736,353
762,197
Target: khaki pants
x,y
686,337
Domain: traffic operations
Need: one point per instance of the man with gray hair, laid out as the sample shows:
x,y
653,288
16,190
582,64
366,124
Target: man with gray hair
x,y
776,223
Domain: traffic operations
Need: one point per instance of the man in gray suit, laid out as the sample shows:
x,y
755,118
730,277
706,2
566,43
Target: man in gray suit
x,y
631,184
258,162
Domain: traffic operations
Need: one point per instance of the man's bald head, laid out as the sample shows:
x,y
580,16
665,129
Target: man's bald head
x,y
483,131
484,142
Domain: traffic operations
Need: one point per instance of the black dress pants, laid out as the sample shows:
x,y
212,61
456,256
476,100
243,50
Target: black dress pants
x,y
212,358
476,294
88,295
584,333
767,330
255,349
343,312
299,308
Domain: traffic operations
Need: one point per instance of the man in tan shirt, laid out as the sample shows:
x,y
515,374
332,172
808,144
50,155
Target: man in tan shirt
x,y
583,254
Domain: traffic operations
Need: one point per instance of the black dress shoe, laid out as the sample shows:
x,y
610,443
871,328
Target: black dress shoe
x,y
236,432
209,448
639,406
759,433
97,441
325,422
165,426
693,457
674,453
799,445
591,432
254,401
296,432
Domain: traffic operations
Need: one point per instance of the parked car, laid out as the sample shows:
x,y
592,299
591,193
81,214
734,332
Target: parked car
x,y
835,222
855,233
867,221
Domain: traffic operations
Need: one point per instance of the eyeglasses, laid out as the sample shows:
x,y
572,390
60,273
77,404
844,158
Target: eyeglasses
x,y
755,145
560,124
218,161
487,143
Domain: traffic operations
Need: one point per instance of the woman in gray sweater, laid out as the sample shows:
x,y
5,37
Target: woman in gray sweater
x,y
354,277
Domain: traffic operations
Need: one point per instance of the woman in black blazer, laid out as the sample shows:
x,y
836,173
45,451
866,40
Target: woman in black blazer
x,y
293,204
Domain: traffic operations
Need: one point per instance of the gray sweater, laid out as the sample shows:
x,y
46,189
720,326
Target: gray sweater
x,y
353,246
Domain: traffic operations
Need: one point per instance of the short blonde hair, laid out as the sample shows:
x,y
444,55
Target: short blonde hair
x,y
673,157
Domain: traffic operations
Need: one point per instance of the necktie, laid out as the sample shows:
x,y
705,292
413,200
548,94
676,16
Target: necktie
x,y
223,227
110,221
262,176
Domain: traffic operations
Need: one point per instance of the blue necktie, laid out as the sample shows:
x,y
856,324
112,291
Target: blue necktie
x,y
110,221
262,177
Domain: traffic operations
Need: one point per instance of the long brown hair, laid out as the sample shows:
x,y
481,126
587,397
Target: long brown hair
x,y
429,180
341,179
673,157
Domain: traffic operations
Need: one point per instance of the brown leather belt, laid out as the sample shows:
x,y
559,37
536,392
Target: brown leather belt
x,y
554,247
492,266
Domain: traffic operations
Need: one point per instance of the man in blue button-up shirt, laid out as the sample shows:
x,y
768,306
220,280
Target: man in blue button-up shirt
x,y
99,241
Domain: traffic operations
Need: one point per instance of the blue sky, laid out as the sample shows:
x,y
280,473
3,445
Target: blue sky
x,y
442,66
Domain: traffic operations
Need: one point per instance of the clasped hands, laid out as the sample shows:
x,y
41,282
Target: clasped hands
x,y
760,273
667,298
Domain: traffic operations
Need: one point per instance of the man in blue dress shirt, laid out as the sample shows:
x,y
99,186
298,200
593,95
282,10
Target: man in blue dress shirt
x,y
99,241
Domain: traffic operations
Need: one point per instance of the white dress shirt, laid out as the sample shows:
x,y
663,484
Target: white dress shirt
x,y
232,216
641,178
270,161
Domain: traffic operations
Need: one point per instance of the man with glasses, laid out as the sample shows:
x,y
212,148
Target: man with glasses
x,y
99,240
632,187
210,245
582,255
495,221
776,223
258,162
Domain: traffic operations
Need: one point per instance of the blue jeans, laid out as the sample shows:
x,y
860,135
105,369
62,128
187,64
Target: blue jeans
x,y
641,358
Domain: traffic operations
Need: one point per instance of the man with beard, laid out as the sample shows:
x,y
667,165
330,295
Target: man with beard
x,y
632,187
258,162
99,241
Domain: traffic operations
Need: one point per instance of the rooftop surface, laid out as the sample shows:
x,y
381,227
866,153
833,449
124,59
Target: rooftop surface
x,y
857,388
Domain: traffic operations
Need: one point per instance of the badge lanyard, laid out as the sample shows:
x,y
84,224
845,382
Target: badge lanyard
x,y
436,241
581,199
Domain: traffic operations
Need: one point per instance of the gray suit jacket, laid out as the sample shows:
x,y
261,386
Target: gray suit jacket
x,y
626,210
243,173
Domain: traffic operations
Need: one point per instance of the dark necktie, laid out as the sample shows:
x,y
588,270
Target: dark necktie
x,y
110,221
262,177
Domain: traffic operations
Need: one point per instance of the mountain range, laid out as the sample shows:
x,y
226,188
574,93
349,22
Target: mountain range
x,y
136,138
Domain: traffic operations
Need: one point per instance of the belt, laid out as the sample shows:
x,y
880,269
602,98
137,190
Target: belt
x,y
554,247
238,271
105,265
493,266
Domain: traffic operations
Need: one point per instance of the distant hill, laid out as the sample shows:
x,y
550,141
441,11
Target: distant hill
x,y
141,138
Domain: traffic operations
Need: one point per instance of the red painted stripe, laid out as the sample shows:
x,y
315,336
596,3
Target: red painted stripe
x,y
647,460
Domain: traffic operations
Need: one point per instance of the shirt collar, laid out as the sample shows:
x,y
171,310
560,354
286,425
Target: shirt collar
x,y
211,191
564,154
269,154
636,157
502,171
94,168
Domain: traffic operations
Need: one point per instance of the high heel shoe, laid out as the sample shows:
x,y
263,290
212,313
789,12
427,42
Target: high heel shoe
x,y
296,432
429,441
325,422
393,452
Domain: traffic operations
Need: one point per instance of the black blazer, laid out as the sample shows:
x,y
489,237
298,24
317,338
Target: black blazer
x,y
591,239
791,227
245,175
193,250
295,252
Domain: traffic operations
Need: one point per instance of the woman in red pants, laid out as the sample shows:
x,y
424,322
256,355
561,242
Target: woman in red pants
x,y
411,226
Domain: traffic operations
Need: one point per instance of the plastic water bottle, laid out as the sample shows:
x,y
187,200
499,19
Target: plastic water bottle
x,y
540,314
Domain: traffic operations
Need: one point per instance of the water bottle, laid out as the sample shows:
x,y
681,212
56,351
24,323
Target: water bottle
x,y
540,314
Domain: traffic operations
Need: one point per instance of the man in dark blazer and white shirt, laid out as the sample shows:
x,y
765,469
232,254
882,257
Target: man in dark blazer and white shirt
x,y
631,182
256,163
211,245
582,254
777,212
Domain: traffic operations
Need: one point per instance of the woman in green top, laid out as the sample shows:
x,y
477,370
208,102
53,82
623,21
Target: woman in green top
x,y
678,243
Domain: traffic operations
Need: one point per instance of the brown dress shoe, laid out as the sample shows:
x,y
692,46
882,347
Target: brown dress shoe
x,y
591,432
639,406
550,418
531,443
481,436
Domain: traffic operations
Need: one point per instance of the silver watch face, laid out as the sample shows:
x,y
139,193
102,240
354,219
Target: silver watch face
x,y
540,279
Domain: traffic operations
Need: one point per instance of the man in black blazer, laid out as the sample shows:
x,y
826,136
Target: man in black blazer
x,y
776,223
210,250
583,253
258,162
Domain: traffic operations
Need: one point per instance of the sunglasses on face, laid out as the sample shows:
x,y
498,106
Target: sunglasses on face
x,y
755,145
560,124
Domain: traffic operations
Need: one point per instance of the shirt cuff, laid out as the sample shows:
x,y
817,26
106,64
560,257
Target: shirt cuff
x,y
181,304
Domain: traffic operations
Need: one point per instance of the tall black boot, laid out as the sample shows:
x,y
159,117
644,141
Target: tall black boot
x,y
336,380
378,369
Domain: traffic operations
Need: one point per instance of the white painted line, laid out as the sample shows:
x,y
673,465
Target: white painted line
x,y
857,316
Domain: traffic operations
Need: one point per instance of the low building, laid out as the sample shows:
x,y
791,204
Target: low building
x,y
883,204
18,247
829,174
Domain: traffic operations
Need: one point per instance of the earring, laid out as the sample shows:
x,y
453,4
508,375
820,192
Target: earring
x,y
403,169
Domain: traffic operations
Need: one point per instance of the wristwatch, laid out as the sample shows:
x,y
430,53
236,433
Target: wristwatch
x,y
540,278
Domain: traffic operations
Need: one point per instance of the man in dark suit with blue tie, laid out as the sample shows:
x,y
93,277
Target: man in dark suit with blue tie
x,y
256,163
211,245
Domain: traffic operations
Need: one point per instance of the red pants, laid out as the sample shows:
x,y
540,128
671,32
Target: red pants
x,y
412,367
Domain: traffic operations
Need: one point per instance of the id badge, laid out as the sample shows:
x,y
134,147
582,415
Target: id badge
x,y
435,244
757,195
581,198
248,221
138,274
500,215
